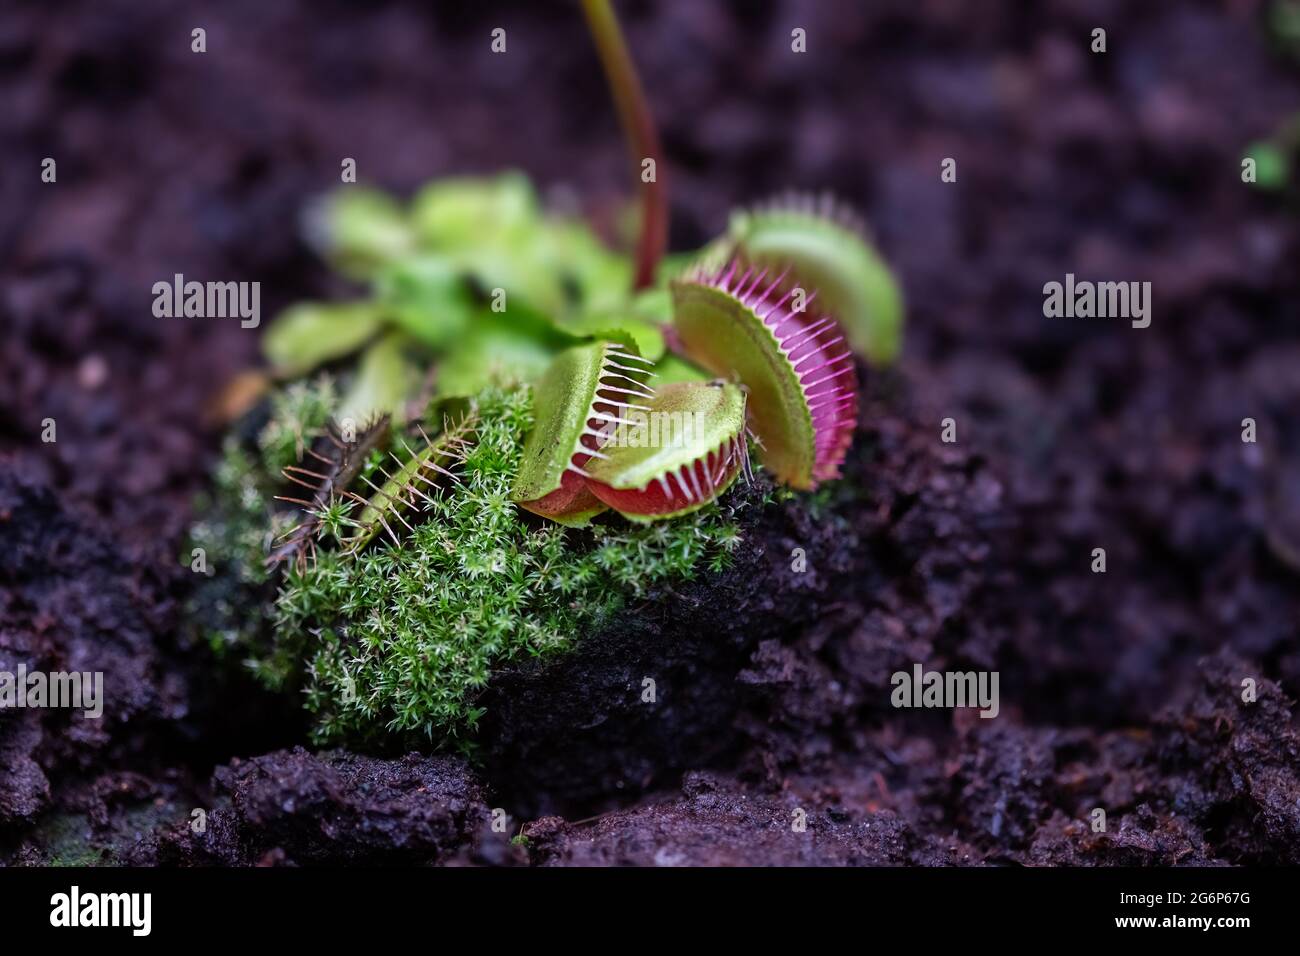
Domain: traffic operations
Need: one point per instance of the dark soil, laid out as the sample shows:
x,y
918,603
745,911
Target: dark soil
x,y
1119,691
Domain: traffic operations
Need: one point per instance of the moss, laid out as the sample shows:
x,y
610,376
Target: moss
x,y
74,840
66,840
402,637
231,535
298,416
389,615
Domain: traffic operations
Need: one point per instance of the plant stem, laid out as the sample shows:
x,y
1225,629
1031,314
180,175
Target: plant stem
x,y
639,130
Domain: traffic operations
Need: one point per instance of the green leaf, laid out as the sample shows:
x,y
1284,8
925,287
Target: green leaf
x,y
654,305
498,349
1271,165
494,230
725,335
556,266
427,296
600,278
830,256
668,461
515,267
461,211
384,381
310,334
359,229
621,326
636,322
674,368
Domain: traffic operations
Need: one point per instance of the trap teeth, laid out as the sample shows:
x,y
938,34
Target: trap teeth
x,y
333,469
755,324
408,486
680,456
824,243
581,399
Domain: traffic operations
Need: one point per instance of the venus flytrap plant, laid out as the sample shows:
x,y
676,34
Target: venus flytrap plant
x,y
479,476
413,480
586,389
604,438
802,382
311,334
639,130
337,464
649,480
823,244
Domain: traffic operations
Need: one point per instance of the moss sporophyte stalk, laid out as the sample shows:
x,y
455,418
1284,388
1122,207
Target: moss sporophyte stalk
x,y
491,452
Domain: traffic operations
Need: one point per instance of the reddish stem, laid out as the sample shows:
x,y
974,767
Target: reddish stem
x,y
639,130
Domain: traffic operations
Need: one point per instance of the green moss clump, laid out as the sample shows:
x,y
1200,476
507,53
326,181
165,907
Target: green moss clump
x,y
394,627
237,524
400,638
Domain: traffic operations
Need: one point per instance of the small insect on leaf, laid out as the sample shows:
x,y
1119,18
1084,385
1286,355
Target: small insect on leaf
x,y
676,458
738,323
823,244
587,391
